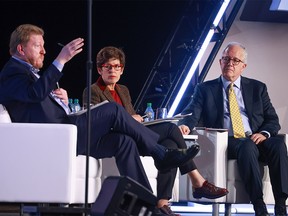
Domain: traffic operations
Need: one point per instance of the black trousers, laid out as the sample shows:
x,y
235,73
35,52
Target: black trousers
x,y
114,133
273,152
170,137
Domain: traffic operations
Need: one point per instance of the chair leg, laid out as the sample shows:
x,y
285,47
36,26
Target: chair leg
x,y
227,209
215,209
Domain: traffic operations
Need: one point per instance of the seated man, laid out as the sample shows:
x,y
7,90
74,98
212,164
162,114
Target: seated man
x,y
30,97
253,126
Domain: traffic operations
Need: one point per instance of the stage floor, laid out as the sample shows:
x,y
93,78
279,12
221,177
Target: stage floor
x,y
204,210
185,209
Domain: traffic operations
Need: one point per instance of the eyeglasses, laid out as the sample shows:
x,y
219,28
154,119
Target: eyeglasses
x,y
117,67
235,61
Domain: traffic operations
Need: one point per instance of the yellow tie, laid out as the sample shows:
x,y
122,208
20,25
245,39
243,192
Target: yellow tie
x,y
237,124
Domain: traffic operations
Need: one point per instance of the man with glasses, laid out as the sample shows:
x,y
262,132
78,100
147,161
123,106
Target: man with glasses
x,y
256,136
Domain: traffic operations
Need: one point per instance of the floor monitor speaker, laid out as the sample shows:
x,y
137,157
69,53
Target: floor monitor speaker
x,y
121,195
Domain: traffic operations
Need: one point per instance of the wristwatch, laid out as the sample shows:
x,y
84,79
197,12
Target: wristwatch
x,y
265,134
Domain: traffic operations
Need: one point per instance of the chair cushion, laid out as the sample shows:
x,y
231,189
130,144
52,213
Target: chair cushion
x,y
4,115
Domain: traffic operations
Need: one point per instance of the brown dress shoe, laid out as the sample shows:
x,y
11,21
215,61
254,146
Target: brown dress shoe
x,y
209,191
166,210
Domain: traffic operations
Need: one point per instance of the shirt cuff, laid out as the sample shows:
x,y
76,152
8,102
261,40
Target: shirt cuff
x,y
265,132
58,65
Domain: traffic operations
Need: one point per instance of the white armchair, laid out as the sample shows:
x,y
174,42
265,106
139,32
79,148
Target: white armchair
x,y
38,164
213,165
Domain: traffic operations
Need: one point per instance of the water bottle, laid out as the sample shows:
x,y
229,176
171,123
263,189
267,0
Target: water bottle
x,y
71,105
77,106
149,113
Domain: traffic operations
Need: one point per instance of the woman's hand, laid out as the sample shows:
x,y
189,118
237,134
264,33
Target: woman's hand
x,y
138,118
184,129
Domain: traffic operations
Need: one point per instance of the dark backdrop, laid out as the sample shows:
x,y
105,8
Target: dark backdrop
x,y
139,27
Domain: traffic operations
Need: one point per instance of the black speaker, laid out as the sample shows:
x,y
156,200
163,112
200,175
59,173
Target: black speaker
x,y
121,195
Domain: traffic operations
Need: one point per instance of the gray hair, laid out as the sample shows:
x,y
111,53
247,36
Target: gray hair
x,y
240,45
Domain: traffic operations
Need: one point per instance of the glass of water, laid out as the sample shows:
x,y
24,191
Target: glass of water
x,y
161,113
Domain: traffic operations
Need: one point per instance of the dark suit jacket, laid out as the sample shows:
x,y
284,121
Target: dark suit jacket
x,y
207,106
97,96
26,97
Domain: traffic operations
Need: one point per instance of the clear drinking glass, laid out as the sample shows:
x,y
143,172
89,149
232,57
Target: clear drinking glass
x,y
161,113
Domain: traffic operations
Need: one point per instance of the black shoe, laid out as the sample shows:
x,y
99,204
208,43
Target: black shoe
x,y
176,157
280,210
260,208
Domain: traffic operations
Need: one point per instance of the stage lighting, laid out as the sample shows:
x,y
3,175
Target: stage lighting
x,y
279,5
198,58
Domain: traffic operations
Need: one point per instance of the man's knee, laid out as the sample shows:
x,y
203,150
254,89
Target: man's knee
x,y
248,145
248,149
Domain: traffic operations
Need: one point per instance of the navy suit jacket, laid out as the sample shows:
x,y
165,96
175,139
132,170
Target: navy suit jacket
x,y
27,97
207,106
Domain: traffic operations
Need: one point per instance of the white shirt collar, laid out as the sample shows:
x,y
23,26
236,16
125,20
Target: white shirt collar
x,y
226,82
